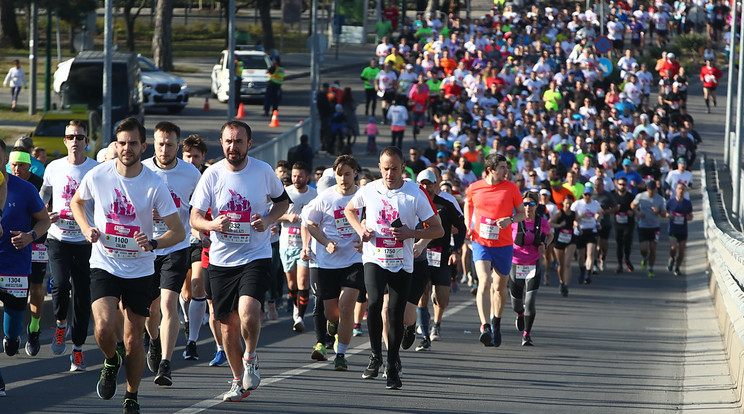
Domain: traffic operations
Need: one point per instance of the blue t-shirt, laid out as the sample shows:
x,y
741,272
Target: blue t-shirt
x,y
632,177
678,211
23,201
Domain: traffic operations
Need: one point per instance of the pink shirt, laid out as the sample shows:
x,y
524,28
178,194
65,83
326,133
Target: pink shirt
x,y
528,254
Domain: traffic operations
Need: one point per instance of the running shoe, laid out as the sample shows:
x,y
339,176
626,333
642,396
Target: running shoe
x,y
485,337
331,343
298,325
526,340
373,368
106,387
651,273
425,345
496,332
251,374
59,346
393,379
164,374
618,269
588,280
236,393
520,322
77,361
340,363
670,264
435,333
2,386
320,353
121,350
563,290
131,406
629,265
358,330
11,345
33,346
332,328
219,359
643,264
190,353
154,355
273,313
601,264
409,336
677,273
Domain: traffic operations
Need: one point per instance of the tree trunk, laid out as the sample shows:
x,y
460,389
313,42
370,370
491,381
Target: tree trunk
x,y
9,33
161,39
264,10
129,22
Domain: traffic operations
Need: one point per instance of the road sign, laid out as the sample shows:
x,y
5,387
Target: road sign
x,y
322,43
605,65
603,44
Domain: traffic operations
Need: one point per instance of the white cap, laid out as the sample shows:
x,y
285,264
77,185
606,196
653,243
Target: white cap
x,y
409,66
670,55
426,174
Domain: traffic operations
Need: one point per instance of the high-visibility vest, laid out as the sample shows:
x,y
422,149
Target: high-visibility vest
x,y
278,75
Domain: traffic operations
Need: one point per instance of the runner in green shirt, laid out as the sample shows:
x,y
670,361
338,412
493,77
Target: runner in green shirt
x,y
368,76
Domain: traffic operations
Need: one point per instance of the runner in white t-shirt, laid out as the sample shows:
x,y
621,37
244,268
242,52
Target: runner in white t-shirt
x,y
340,270
245,197
588,212
290,243
67,248
393,209
122,259
172,263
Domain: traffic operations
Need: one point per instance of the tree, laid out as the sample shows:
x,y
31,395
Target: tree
x,y
161,39
9,33
264,11
130,17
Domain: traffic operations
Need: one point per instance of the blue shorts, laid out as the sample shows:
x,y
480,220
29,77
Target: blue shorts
x,y
291,258
500,257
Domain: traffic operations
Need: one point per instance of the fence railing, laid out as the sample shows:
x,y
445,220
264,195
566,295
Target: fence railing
x,y
276,149
725,248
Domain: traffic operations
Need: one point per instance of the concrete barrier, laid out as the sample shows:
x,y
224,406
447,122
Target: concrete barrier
x,y
725,252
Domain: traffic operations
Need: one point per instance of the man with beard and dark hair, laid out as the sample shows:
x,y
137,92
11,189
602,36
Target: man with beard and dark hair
x,y
245,197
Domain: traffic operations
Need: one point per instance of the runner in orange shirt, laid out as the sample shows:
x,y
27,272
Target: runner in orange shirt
x,y
491,207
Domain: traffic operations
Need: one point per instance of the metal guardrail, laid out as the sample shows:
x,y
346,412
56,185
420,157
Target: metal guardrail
x,y
276,149
725,248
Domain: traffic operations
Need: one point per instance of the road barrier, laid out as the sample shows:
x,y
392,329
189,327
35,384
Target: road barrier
x,y
725,245
276,149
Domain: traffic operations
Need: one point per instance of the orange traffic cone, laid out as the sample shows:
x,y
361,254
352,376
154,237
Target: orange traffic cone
x,y
206,104
241,111
274,119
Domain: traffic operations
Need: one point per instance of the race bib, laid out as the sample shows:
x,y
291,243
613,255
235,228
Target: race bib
x,y
564,236
434,256
294,237
678,219
159,226
16,286
67,224
621,218
525,271
488,229
588,221
118,241
239,230
39,253
388,252
343,227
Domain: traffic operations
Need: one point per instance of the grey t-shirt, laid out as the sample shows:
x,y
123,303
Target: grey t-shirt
x,y
645,203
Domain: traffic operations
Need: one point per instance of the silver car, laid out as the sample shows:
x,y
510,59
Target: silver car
x,y
162,89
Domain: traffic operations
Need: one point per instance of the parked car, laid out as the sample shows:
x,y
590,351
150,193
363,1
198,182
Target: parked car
x,y
162,89
50,131
254,78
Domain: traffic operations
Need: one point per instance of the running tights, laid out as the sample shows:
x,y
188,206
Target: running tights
x,y
524,293
624,239
376,279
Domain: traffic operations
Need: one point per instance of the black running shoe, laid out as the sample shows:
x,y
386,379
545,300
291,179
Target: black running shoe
x,y
393,379
106,387
131,406
373,369
485,337
11,345
629,266
425,345
190,353
154,355
527,340
496,336
520,322
164,374
409,336
32,345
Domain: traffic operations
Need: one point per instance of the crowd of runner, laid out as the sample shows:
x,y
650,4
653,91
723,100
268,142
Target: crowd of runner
x,y
535,158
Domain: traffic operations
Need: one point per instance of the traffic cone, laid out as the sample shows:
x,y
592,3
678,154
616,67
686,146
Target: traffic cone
x,y
241,111
274,119
206,104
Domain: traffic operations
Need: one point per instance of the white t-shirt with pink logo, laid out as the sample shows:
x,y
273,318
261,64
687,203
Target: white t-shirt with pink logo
x,y
290,238
123,207
239,195
410,203
181,181
327,211
64,179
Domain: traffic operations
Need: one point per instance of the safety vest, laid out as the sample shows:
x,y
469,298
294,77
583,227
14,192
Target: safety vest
x,y
278,75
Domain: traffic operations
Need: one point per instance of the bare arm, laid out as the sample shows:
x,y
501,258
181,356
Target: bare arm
x,y
175,234
23,239
364,233
77,205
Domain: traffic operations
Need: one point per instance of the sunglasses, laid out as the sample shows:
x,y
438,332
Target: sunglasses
x,y
72,137
529,204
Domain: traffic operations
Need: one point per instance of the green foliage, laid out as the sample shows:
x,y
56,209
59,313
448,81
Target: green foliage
x,y
691,42
655,51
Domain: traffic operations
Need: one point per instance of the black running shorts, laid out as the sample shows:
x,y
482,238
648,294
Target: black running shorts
x,y
228,284
134,293
331,281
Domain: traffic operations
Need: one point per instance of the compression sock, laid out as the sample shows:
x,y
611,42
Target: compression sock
x,y
196,313
302,300
707,103
113,360
293,298
422,315
184,307
13,323
341,348
528,321
34,325
130,395
319,321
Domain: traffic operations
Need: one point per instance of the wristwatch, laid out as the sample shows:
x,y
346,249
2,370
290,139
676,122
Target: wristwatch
x,y
33,234
154,244
512,219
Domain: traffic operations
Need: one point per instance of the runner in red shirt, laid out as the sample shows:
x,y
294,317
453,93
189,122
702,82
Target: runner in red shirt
x,y
710,75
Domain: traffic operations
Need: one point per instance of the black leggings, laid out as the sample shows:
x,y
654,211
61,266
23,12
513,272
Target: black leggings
x,y
398,137
517,289
319,319
71,261
398,283
371,99
624,239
